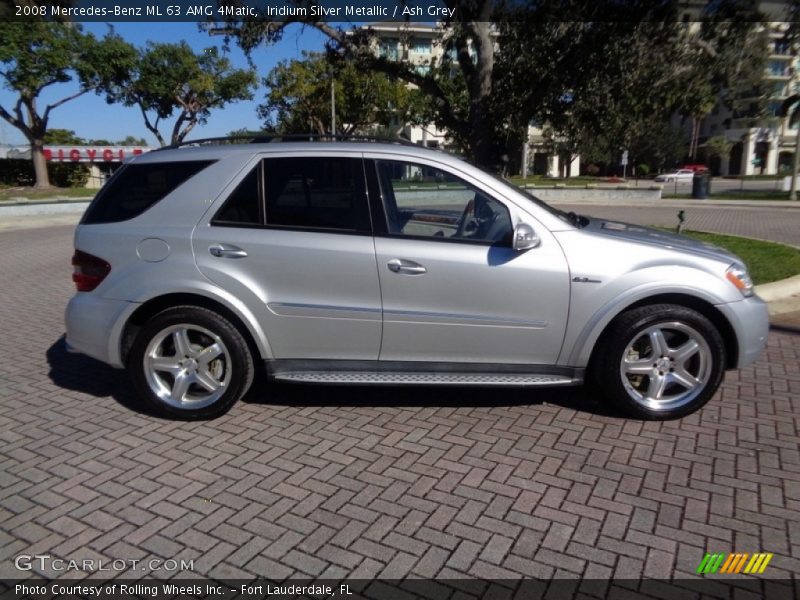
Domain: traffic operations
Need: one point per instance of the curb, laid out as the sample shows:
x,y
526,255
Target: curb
x,y
25,209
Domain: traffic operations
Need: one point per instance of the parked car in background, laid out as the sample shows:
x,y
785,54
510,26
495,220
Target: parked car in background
x,y
695,168
388,263
681,175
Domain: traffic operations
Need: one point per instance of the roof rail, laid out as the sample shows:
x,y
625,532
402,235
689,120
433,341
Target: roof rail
x,y
295,137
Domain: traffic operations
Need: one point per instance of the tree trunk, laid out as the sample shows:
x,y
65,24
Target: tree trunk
x,y
796,164
482,131
39,163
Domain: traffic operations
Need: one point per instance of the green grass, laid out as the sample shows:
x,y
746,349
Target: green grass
x,y
581,180
33,194
767,261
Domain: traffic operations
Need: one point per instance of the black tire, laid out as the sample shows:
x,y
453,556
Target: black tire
x,y
216,354
686,380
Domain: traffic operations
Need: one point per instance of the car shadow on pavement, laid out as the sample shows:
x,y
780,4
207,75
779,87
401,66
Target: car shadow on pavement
x,y
80,373
86,375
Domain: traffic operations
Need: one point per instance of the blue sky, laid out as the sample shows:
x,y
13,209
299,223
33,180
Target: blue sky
x,y
92,118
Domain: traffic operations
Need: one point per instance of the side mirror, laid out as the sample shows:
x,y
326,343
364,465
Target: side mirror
x,y
525,237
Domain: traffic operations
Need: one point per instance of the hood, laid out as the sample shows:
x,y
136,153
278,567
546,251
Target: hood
x,y
656,237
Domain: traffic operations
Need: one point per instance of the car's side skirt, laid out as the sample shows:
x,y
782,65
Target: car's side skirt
x,y
421,373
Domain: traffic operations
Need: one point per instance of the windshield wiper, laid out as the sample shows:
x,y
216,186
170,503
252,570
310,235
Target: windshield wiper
x,y
576,220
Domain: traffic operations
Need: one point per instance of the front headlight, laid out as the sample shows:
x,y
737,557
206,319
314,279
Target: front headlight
x,y
738,276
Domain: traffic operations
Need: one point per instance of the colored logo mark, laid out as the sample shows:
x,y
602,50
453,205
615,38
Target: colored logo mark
x,y
740,562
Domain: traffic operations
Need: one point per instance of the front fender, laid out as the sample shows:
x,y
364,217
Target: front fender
x,y
593,308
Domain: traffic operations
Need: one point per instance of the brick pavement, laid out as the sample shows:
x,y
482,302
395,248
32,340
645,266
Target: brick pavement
x,y
379,482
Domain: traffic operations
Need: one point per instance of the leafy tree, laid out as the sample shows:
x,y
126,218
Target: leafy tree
x,y
464,110
299,98
62,137
613,65
717,147
130,140
170,79
36,55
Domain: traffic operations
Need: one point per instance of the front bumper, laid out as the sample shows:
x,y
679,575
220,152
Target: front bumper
x,y
94,326
750,321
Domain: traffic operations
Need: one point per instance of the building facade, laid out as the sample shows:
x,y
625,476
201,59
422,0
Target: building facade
x,y
762,145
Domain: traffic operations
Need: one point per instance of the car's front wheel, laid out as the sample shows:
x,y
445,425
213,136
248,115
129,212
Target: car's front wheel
x,y
190,362
660,361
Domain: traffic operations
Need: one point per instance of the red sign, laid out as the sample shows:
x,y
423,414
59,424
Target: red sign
x,y
91,153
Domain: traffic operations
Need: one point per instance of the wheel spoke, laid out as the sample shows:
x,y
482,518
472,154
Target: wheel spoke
x,y
183,346
165,364
683,377
659,343
642,366
206,380
181,386
658,383
684,352
206,355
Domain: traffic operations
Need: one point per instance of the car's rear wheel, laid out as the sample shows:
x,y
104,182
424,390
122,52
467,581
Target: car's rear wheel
x,y
660,361
190,362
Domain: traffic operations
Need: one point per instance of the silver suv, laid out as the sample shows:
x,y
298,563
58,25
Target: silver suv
x,y
386,263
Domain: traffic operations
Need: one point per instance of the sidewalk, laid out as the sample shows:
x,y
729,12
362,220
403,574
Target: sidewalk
x,y
787,321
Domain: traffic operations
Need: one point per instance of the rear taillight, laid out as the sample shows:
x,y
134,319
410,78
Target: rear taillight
x,y
89,271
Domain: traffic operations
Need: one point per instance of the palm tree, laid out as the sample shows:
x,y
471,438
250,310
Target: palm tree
x,y
791,108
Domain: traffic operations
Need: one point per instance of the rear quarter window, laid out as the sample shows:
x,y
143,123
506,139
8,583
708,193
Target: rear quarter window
x,y
137,187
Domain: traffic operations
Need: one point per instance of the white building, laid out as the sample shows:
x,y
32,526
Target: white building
x,y
763,145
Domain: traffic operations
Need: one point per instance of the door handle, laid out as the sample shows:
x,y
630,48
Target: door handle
x,y
226,251
407,267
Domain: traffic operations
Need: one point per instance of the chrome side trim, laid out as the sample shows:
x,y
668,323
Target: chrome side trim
x,y
412,316
324,311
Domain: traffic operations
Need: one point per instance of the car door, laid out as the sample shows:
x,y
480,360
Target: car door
x,y
294,238
453,288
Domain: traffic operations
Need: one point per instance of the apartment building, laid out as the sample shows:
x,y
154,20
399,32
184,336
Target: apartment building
x,y
760,144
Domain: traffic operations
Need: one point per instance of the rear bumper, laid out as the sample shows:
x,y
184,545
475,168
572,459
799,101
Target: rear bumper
x,y
750,321
94,326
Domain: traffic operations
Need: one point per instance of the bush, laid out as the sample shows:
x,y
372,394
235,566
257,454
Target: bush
x,y
17,172
643,169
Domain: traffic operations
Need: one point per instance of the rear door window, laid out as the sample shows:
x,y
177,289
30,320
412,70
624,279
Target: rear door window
x,y
316,193
137,187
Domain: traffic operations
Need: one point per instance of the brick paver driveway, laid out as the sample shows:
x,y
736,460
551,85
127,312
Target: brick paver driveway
x,y
315,481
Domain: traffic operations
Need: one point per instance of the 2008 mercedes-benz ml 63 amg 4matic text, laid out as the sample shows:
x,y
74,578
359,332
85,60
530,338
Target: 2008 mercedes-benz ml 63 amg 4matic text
x,y
386,263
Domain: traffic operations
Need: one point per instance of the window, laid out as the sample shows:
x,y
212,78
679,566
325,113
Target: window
x,y
420,46
423,201
316,192
137,187
243,206
388,49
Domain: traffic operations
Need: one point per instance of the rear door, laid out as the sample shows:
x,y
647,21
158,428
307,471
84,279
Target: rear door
x,y
294,237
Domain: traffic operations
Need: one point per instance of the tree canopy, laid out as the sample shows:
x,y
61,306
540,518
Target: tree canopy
x,y
37,55
166,80
612,66
299,98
